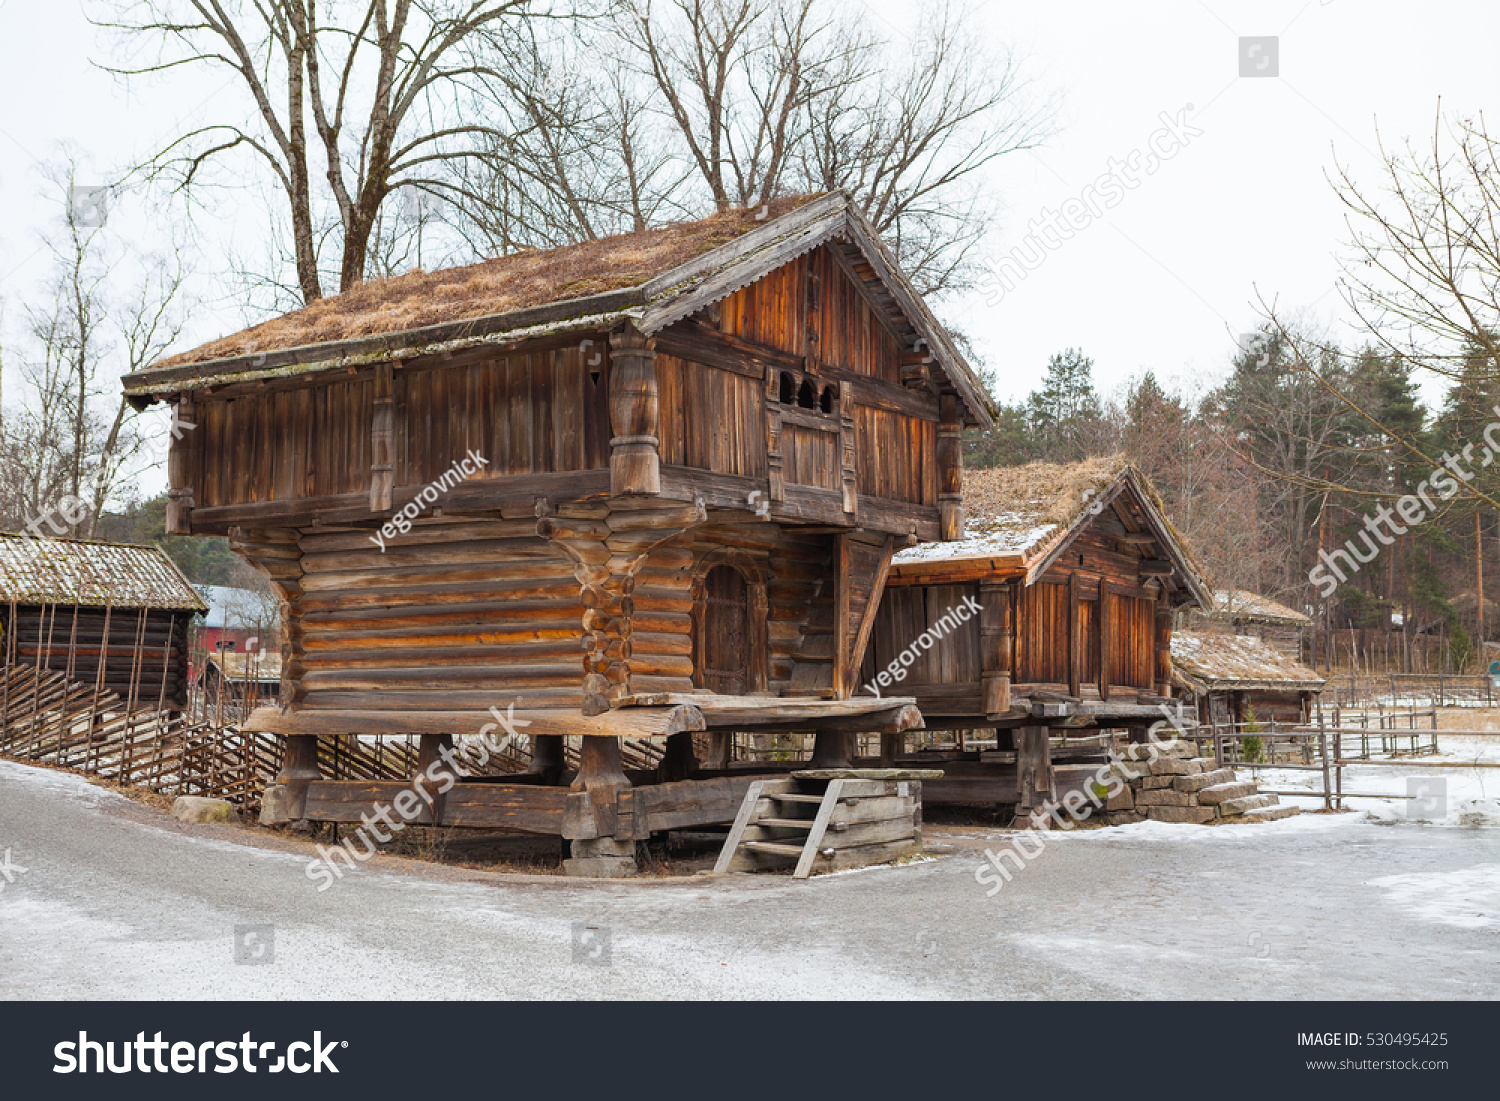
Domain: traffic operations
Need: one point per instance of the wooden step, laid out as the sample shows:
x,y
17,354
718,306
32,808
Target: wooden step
x,y
795,798
786,823
793,851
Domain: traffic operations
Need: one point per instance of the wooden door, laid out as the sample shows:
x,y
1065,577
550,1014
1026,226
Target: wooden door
x,y
726,632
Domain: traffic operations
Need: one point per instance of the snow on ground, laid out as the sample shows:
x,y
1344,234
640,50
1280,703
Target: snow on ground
x,y
61,783
1466,897
1472,794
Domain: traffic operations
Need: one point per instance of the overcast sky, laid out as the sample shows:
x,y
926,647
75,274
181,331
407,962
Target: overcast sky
x,y
1165,279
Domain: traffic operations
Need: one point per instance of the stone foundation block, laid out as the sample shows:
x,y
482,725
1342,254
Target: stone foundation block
x,y
1202,780
1194,815
1222,793
1164,797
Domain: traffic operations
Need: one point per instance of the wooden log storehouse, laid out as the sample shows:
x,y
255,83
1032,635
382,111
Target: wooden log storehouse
x,y
1236,679
112,618
641,486
1240,612
1071,574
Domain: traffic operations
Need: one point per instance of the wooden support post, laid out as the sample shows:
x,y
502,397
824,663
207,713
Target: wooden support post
x,y
995,646
547,759
776,483
634,456
720,747
679,762
1163,648
1075,639
383,439
842,674
180,469
286,801
603,839
833,749
848,476
950,462
428,755
892,746
1035,784
1106,638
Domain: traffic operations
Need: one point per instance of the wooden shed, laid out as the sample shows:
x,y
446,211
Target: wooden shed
x,y
640,486
1239,612
1234,678
1054,613
110,616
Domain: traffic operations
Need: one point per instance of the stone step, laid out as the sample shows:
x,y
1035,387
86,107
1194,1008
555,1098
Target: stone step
x,y
1230,807
1272,813
1222,793
1209,779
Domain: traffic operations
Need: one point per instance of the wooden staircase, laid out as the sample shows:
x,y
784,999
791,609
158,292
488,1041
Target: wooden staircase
x,y
822,824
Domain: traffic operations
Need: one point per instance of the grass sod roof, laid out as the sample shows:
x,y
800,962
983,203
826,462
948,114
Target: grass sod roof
x,y
1028,513
37,570
654,278
1255,608
1207,663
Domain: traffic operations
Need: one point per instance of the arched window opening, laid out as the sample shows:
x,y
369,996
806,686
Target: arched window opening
x,y
787,390
805,397
825,403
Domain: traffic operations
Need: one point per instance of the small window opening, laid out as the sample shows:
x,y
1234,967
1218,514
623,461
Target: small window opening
x,y
788,388
825,403
805,395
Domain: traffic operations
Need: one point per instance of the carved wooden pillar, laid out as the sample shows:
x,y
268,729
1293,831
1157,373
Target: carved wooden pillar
x,y
776,482
180,469
995,643
383,439
847,447
634,456
950,462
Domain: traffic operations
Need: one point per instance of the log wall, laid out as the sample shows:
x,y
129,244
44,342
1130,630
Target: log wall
x,y
140,650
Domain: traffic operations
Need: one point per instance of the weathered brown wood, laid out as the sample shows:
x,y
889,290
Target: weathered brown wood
x,y
950,468
383,438
181,474
634,459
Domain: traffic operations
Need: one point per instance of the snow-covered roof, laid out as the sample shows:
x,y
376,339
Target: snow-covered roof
x,y
1212,662
37,570
1252,607
1018,517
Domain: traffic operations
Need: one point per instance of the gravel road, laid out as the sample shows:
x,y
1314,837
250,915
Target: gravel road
x,y
119,901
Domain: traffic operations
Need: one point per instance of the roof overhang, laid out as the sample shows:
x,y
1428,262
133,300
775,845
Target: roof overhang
x,y
651,306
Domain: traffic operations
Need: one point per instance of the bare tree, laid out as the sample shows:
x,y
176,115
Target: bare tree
x,y
368,100
69,444
770,97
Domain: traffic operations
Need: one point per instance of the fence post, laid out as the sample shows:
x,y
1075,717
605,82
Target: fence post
x,y
1327,788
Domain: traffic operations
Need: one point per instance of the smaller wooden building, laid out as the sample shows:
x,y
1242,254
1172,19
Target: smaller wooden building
x,y
1053,614
110,615
1238,678
1239,612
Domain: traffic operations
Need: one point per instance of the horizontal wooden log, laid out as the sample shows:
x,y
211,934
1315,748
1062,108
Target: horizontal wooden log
x,y
688,803
636,722
524,808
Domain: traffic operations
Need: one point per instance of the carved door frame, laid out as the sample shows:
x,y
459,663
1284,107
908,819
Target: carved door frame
x,y
756,574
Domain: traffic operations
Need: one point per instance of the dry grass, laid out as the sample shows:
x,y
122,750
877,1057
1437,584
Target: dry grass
x,y
506,283
1046,493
